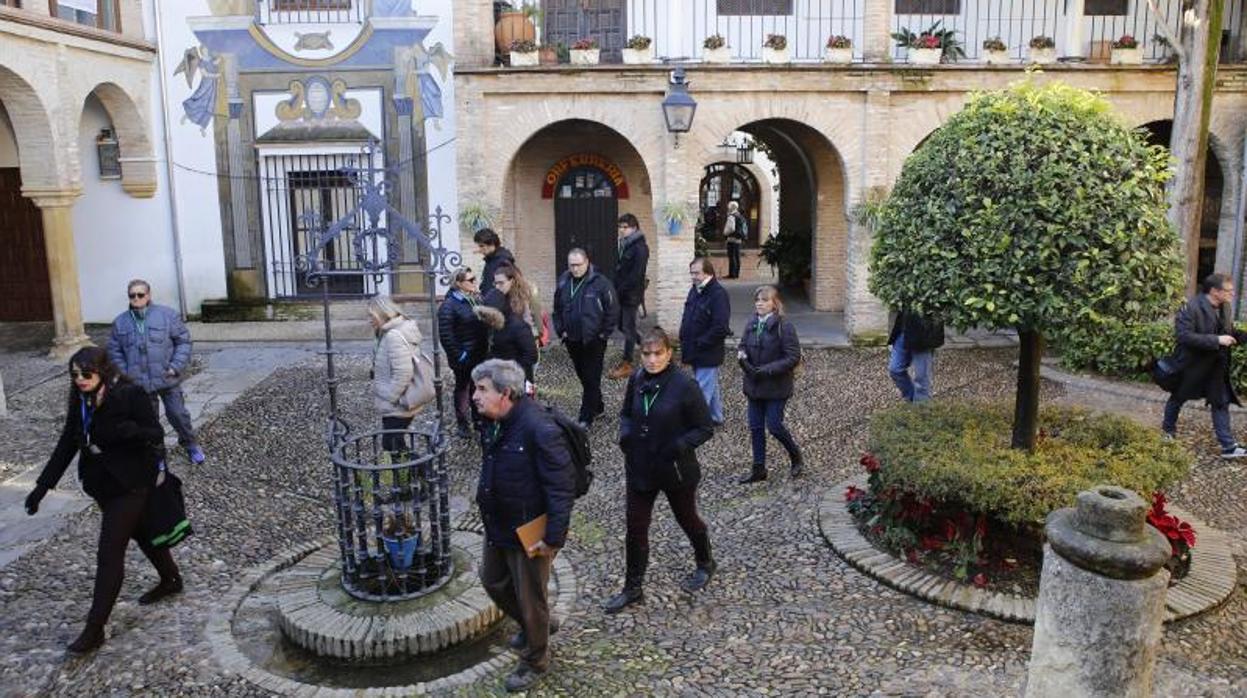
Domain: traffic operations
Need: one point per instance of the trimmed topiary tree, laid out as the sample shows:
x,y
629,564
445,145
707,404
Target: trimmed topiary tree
x,y
1033,208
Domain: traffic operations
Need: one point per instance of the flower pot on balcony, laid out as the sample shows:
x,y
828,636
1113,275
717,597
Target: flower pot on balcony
x,y
838,55
638,56
722,54
996,57
1043,56
775,55
524,59
511,27
925,56
588,56
548,55
1126,56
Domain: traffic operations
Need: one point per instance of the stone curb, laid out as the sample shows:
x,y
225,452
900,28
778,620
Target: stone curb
x,y
233,662
1119,388
1210,581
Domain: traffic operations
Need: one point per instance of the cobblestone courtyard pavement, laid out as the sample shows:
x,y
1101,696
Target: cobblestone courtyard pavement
x,y
783,615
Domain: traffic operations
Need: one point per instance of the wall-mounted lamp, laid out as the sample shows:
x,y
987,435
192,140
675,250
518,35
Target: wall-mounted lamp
x,y
109,154
678,107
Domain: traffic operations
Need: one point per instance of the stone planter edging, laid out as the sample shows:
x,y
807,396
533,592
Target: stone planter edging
x,y
231,659
1210,581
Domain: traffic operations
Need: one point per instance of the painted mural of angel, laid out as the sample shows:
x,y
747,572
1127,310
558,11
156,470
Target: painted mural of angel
x,y
430,90
201,106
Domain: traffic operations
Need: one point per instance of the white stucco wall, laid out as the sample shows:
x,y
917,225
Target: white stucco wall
x,y
117,237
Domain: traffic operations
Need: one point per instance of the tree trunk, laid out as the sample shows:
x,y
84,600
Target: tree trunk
x,y
1192,108
1026,404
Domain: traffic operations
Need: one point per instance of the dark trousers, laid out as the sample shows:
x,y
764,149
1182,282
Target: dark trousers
x,y
1220,421
175,411
465,411
396,444
640,511
768,415
627,325
517,584
587,360
122,516
733,261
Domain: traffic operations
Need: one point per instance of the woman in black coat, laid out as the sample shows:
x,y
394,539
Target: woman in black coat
x,y
769,352
113,430
465,341
663,420
511,339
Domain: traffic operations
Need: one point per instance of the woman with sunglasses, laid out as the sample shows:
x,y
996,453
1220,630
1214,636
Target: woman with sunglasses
x,y
465,340
112,429
663,420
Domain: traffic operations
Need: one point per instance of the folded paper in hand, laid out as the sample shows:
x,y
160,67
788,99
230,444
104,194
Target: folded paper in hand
x,y
531,532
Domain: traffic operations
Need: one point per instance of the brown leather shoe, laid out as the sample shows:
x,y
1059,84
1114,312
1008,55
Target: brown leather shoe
x,y
622,371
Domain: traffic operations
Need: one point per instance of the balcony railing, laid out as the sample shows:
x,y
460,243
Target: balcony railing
x,y
678,28
311,11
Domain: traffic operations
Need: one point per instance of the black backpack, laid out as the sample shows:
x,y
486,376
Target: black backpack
x,y
577,438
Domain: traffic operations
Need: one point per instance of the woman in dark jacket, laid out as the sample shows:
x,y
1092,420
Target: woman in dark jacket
x,y
465,341
511,339
113,430
663,420
769,352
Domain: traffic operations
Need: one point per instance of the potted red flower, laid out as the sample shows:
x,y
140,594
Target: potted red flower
x,y
1180,533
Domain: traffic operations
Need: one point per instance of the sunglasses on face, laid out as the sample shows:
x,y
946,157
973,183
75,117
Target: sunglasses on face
x,y
82,374
137,295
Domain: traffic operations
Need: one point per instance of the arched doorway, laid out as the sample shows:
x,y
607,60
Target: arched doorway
x,y
585,209
1159,133
25,286
724,182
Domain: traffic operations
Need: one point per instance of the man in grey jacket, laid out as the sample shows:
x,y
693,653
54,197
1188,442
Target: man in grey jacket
x,y
151,344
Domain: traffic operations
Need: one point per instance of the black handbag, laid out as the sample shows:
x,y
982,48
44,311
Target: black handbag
x,y
1166,374
164,520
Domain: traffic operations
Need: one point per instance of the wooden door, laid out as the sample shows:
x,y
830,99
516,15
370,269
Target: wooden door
x,y
585,210
25,293
567,21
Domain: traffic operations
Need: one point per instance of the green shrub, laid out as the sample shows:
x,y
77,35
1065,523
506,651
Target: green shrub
x,y
1115,348
960,453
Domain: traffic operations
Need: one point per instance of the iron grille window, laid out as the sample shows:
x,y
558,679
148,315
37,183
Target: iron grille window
x,y
567,21
928,7
298,5
11,3
754,8
1106,7
101,14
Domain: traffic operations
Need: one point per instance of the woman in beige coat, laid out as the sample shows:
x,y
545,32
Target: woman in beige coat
x,y
393,369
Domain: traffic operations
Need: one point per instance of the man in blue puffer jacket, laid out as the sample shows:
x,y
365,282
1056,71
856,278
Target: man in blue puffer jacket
x,y
151,344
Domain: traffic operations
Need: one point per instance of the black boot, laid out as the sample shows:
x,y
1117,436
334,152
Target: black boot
x,y
166,587
798,465
706,566
757,474
92,637
637,561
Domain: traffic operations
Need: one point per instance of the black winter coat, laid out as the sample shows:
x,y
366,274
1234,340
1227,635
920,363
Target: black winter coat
x,y
585,309
707,314
515,342
920,334
771,358
1204,363
500,257
464,338
526,471
630,271
127,435
660,447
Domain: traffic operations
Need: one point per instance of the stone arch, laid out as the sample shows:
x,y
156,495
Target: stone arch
x,y
1215,242
39,153
138,166
527,219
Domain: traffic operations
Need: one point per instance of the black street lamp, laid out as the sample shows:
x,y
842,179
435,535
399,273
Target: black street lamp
x,y
744,153
678,107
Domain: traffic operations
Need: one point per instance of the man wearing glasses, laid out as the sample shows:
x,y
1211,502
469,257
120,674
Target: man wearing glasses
x,y
151,344
585,315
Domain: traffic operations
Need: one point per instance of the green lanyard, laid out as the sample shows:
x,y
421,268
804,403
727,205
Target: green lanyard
x,y
576,286
140,321
493,432
648,402
757,330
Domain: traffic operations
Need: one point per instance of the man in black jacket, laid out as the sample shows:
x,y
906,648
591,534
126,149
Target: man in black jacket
x,y
707,314
1205,335
526,472
585,314
495,255
914,340
630,285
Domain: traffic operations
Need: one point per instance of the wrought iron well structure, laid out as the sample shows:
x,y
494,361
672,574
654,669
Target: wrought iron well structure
x,y
391,488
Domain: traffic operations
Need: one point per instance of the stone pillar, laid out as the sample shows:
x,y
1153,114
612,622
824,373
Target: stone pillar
x,y
57,207
865,317
1101,599
679,184
238,184
877,31
474,33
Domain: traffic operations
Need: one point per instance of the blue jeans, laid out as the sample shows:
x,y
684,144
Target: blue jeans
x,y
708,378
175,412
917,389
767,415
1220,421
